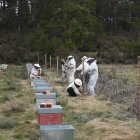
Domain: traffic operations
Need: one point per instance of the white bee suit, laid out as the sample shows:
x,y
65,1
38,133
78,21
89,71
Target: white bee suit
x,y
71,65
93,71
81,67
75,89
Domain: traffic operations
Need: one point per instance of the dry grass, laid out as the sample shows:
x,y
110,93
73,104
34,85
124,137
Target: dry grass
x,y
18,105
96,119
93,118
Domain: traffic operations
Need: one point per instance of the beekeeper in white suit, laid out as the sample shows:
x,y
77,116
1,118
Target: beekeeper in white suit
x,y
74,88
35,71
93,75
70,68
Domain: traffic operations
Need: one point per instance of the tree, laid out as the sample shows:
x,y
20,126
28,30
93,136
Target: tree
x,y
69,20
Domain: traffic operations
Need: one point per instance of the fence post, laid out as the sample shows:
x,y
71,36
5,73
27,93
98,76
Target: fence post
x,y
45,61
83,77
50,62
57,64
139,88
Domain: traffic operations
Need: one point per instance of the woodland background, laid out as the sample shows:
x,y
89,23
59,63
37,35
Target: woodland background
x,y
110,28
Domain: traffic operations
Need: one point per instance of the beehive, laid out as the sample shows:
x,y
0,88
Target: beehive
x,y
45,98
50,116
33,81
42,88
41,84
57,132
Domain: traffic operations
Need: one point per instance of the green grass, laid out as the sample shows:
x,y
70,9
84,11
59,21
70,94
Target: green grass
x,y
62,100
14,108
83,118
12,85
7,123
16,101
4,98
19,136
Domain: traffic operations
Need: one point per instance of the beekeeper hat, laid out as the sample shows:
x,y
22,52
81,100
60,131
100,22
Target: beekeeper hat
x,y
84,58
37,65
78,82
70,57
90,60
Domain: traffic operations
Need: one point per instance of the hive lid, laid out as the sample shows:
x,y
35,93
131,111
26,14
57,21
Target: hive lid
x,y
56,127
54,109
45,96
41,89
37,80
36,83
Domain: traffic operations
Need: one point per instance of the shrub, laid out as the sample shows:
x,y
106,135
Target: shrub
x,y
7,123
62,100
12,85
14,108
4,98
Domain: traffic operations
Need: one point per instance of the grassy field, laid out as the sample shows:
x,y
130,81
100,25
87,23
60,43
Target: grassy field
x,y
94,118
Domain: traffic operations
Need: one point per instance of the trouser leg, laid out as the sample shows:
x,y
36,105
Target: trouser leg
x,y
71,92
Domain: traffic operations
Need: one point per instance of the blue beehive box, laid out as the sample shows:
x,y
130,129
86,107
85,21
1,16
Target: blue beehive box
x,y
41,89
57,132
45,98
41,84
35,80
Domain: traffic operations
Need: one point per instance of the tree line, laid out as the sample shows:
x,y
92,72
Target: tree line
x,y
109,27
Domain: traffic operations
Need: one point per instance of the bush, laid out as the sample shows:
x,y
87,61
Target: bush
x,y
4,98
62,100
14,108
7,123
12,85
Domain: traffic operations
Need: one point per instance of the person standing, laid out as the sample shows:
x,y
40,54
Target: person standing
x,y
70,68
92,71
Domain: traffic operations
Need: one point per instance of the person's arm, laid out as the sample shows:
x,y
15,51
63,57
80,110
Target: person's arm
x,y
79,68
76,90
39,72
71,66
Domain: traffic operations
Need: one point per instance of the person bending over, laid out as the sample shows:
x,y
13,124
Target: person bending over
x,y
35,71
74,88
